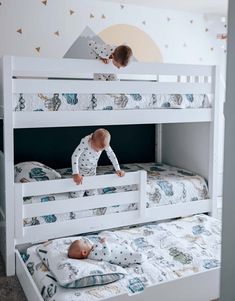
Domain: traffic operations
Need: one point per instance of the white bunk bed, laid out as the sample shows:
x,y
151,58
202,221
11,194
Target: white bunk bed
x,y
30,75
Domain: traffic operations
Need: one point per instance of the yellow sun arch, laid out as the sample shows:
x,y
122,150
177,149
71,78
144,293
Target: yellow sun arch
x,y
143,47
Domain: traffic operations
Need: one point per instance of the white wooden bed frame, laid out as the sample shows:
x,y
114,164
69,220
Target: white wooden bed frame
x,y
30,75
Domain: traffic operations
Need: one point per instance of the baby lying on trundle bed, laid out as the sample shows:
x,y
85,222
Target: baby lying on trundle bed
x,y
171,250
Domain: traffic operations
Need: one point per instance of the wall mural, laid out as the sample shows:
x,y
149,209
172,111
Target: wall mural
x,y
144,48
79,48
56,29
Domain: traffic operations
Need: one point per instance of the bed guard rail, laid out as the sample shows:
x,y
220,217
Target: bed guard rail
x,y
70,227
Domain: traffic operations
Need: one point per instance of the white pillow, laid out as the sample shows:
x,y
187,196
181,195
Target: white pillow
x,y
74,273
34,171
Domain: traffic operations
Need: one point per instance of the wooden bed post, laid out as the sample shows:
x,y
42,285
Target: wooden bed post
x,y
8,239
214,142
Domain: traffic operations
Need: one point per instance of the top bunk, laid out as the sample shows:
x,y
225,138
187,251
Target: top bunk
x,y
44,92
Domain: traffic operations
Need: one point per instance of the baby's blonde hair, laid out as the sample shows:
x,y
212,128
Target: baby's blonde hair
x,y
102,136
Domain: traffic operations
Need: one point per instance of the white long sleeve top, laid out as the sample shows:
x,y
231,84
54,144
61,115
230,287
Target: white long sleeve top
x,y
85,158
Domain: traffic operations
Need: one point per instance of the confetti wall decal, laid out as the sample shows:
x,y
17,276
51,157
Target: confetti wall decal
x,y
122,6
221,36
44,2
103,16
168,19
92,16
57,33
38,49
191,21
71,12
206,30
144,22
19,31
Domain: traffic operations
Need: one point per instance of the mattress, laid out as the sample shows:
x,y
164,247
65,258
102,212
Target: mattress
x,y
165,185
174,249
80,102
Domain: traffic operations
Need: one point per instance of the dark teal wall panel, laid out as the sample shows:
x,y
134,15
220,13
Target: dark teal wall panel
x,y
54,146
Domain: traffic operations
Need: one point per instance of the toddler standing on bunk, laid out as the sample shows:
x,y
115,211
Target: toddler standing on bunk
x,y
86,156
120,57
114,253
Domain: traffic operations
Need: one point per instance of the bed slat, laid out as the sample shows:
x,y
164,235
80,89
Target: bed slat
x,y
68,185
113,220
78,204
115,117
102,87
47,67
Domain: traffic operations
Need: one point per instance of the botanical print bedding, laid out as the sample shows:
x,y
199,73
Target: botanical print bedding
x,y
165,185
79,102
173,250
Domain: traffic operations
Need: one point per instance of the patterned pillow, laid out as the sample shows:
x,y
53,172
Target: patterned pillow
x,y
73,273
34,171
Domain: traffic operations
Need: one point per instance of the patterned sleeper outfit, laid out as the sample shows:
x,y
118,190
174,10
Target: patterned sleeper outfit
x,y
114,253
85,160
104,51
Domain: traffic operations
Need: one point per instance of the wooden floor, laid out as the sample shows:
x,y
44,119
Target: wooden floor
x,y
10,289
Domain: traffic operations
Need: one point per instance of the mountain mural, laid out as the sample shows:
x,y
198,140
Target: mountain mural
x,y
79,49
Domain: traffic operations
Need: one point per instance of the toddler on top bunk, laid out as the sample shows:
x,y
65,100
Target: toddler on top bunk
x,y
120,57
102,250
86,156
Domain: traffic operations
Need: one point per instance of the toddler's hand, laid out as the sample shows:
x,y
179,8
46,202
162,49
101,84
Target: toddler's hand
x,y
120,173
105,61
78,178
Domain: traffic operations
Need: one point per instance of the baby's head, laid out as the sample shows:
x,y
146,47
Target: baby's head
x,y
80,249
121,56
100,139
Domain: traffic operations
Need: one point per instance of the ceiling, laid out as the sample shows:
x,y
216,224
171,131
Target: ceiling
x,y
201,6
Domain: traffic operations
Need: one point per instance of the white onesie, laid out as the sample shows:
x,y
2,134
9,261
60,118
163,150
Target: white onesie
x,y
85,160
114,253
